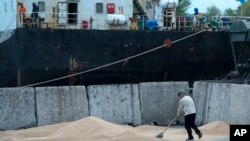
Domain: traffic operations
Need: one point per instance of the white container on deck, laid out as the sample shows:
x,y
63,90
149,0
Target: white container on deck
x,y
116,19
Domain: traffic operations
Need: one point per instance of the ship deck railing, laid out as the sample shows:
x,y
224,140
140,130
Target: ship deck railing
x,y
224,22
55,20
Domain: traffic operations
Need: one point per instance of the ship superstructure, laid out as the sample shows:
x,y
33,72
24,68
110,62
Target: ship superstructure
x,y
8,15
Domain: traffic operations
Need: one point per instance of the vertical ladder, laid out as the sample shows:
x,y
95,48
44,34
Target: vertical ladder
x,y
140,9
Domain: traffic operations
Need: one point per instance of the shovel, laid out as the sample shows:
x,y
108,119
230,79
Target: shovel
x,y
161,134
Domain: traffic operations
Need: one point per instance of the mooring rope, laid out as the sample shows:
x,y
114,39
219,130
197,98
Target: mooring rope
x,y
113,63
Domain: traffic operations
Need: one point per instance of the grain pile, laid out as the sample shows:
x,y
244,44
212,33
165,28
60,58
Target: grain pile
x,y
217,127
214,131
88,129
94,129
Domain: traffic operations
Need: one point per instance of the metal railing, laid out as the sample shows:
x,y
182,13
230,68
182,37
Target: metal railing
x,y
185,24
67,21
94,21
224,22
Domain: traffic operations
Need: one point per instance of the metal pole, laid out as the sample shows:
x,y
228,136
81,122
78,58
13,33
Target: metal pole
x,y
242,10
234,56
179,23
143,22
18,77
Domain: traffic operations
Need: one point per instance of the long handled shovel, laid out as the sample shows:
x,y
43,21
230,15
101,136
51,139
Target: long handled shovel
x,y
161,134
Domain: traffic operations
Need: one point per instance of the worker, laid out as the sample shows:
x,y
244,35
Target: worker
x,y
22,11
199,20
34,15
91,22
226,23
187,105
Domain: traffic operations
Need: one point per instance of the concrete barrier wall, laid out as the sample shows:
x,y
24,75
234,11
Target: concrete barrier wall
x,y
200,96
239,112
212,101
218,103
159,101
17,108
127,103
60,104
222,101
136,105
115,103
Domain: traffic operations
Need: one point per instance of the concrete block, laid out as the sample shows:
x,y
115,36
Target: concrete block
x,y
222,102
115,103
61,104
218,102
239,111
200,97
159,101
136,105
17,108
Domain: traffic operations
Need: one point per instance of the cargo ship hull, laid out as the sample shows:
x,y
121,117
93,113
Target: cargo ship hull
x,y
36,55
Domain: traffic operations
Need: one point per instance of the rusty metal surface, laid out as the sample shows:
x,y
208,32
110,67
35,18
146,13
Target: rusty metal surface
x,y
44,54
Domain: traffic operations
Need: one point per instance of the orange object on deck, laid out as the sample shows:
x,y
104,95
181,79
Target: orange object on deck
x,y
22,10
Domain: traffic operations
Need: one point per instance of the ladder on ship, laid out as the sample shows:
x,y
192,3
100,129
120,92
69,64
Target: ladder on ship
x,y
140,9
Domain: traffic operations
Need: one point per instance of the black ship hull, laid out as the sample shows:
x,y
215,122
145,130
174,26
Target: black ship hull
x,y
32,56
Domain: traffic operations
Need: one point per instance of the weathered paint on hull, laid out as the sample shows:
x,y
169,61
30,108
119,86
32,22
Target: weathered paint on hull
x,y
44,54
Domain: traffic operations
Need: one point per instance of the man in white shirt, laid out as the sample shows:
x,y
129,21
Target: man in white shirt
x,y
187,105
